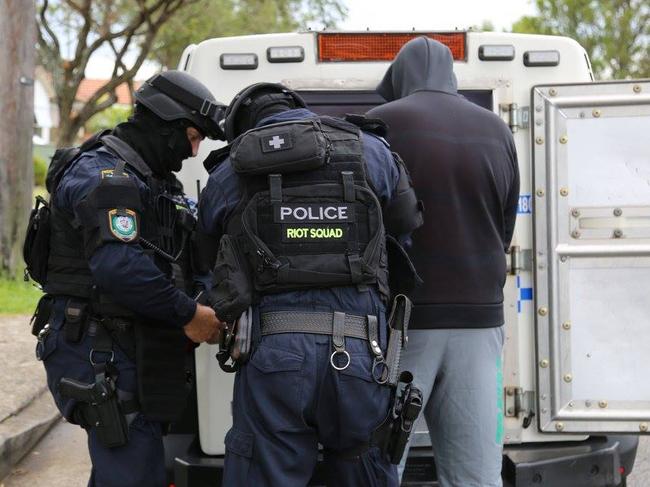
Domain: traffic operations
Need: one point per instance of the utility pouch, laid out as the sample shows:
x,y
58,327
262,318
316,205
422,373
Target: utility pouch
x,y
36,247
280,148
75,320
99,408
42,313
161,371
393,434
232,293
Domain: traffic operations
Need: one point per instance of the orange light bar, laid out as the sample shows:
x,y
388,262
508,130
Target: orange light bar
x,y
374,46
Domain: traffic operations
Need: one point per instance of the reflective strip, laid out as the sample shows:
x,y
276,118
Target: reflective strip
x,y
499,435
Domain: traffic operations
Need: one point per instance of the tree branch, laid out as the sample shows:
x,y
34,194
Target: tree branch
x,y
50,33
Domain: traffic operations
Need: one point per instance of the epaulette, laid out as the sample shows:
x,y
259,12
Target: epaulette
x,y
373,125
216,157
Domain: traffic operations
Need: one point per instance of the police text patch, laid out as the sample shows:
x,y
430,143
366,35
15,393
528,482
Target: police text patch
x,y
123,224
276,142
313,213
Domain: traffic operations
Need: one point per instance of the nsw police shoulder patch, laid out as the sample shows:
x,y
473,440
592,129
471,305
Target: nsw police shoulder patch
x,y
123,224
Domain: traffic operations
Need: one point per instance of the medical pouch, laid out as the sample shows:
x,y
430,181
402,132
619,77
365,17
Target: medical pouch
x,y
36,247
232,293
281,148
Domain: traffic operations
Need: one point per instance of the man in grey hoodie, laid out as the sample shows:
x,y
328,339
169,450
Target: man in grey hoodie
x,y
463,163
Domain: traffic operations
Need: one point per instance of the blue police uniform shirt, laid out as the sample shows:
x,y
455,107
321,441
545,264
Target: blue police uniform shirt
x,y
123,270
221,195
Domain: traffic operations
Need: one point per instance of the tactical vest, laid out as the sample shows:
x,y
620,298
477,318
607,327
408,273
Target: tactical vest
x,y
307,217
165,226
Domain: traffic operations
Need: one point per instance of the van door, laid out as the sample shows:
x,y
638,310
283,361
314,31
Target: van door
x,y
591,157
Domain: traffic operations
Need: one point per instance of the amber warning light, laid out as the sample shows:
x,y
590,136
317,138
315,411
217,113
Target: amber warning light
x,y
373,46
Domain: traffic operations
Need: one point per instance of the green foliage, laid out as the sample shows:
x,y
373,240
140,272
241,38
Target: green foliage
x,y
615,33
207,19
18,296
40,169
109,118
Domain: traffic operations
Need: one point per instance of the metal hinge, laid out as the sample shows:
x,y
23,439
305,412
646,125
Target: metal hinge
x,y
520,260
519,404
518,117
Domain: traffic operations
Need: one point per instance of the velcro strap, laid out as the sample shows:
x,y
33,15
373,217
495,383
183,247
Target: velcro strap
x,y
348,185
338,331
354,261
316,322
275,188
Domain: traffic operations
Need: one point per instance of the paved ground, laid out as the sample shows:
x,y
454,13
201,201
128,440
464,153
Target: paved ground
x,y
26,408
60,459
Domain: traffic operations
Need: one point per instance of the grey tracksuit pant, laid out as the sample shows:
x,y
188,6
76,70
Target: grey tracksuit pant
x,y
459,372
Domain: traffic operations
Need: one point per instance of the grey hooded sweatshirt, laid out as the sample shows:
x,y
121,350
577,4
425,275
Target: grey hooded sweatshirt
x,y
463,164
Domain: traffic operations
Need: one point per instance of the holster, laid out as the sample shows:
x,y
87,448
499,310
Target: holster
x,y
235,343
393,434
162,371
99,408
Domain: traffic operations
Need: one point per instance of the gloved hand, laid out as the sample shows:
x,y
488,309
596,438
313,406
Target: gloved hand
x,y
204,326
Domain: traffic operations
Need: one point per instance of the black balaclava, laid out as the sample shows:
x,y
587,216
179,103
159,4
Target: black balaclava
x,y
422,64
162,145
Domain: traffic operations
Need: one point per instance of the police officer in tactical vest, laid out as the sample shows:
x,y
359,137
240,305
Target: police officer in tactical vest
x,y
113,328
300,206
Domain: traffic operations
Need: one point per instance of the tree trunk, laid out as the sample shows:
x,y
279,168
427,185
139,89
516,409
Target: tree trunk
x,y
17,57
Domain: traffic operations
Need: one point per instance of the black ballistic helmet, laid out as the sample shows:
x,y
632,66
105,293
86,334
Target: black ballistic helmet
x,y
175,95
247,105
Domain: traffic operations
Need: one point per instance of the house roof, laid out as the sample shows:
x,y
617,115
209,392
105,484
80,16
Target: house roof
x,y
88,87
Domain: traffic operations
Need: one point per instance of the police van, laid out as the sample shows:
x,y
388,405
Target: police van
x,y
575,382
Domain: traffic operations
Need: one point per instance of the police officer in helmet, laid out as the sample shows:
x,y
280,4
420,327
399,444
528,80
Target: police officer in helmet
x,y
294,206
118,310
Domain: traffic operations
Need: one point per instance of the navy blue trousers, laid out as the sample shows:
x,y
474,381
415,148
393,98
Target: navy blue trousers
x,y
141,462
288,400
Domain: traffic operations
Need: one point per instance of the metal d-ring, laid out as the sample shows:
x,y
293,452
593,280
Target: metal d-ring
x,y
384,369
334,354
93,363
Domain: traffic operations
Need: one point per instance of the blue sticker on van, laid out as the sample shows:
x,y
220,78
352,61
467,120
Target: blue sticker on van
x,y
525,204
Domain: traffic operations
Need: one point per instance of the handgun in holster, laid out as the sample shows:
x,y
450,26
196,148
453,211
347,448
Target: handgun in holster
x,y
98,408
393,434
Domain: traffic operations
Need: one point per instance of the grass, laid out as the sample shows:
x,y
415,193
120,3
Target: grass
x,y
18,296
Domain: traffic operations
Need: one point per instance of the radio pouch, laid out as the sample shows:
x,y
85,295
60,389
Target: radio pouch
x,y
280,148
36,248
232,293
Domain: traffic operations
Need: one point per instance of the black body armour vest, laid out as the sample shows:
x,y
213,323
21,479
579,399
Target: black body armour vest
x,y
165,226
308,217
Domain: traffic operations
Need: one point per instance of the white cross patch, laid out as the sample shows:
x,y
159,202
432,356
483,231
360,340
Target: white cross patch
x,y
276,142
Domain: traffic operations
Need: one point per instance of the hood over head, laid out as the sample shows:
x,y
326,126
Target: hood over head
x,y
422,64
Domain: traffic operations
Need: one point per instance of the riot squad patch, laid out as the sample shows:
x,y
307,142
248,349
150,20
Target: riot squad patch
x,y
311,233
276,142
123,224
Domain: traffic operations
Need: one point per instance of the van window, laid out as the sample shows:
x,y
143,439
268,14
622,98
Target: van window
x,y
338,103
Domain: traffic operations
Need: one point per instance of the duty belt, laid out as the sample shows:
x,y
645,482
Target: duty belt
x,y
337,324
